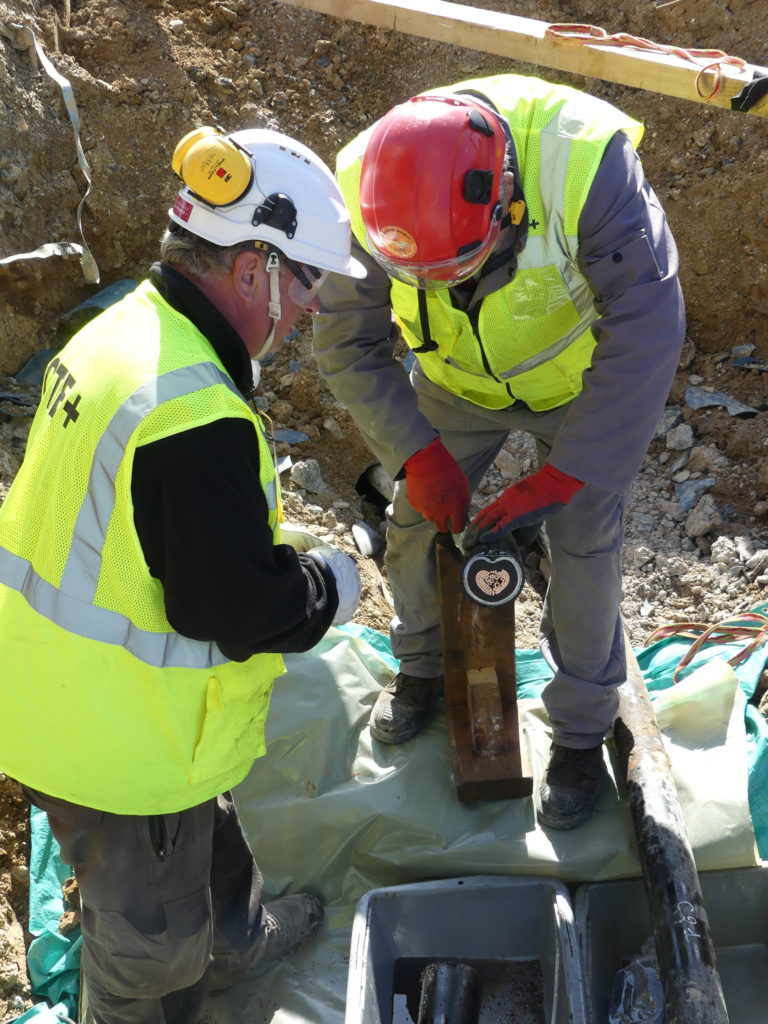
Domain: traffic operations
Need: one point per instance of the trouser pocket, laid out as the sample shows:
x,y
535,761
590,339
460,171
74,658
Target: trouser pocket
x,y
121,960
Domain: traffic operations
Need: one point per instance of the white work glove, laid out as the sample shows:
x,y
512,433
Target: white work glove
x,y
347,580
298,538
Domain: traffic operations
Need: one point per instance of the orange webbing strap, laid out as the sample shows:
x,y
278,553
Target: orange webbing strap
x,y
582,34
750,626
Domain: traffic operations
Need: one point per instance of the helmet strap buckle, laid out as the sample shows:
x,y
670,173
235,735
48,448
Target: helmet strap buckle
x,y
275,308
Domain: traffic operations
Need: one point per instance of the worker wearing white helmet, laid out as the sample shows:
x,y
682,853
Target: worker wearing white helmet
x,y
288,201
147,594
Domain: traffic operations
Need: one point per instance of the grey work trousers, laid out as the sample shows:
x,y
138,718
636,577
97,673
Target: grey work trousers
x,y
171,906
581,634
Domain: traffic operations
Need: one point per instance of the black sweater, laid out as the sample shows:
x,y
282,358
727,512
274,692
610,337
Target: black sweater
x,y
201,517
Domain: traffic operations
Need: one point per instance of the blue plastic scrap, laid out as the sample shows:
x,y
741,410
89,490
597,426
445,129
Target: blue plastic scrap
x,y
291,436
699,398
44,1014
53,959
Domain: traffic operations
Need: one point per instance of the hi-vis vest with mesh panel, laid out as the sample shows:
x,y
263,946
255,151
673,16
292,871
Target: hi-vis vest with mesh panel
x,y
101,702
533,339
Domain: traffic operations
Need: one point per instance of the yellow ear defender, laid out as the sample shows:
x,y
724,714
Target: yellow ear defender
x,y
212,166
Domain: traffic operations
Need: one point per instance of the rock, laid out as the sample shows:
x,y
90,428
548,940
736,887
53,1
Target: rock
x,y
508,465
706,459
9,464
703,518
687,354
680,438
644,521
744,548
333,427
680,460
306,473
758,563
281,410
724,551
640,556
677,567
669,419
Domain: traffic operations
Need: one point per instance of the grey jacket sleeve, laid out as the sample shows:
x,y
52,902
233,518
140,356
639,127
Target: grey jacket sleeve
x,y
355,351
629,258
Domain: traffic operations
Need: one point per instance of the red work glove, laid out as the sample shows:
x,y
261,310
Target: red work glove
x,y
437,487
525,502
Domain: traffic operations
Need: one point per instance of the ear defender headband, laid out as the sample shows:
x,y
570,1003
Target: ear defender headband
x,y
213,167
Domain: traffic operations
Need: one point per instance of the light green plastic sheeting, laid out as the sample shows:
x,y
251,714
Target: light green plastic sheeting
x,y
658,663
331,811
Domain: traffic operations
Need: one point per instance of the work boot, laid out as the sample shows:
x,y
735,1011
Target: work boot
x,y
288,923
403,706
571,786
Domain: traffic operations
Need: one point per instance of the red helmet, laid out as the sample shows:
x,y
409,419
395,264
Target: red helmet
x,y
430,188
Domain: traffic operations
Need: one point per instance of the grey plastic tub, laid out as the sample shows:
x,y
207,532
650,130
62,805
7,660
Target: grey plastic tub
x,y
613,921
493,923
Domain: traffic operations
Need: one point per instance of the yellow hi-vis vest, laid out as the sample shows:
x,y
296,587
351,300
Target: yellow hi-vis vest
x,y
533,339
101,702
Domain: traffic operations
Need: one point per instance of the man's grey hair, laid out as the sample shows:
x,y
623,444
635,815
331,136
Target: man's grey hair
x,y
196,255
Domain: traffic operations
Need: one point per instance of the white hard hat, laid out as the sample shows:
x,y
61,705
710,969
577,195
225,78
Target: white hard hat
x,y
259,184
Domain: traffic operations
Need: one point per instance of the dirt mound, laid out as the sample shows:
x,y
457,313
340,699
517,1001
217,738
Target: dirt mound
x,y
146,71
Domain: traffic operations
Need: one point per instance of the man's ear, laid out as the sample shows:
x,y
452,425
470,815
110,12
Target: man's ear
x,y
248,274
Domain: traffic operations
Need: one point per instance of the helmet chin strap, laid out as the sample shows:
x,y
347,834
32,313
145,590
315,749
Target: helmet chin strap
x,y
275,309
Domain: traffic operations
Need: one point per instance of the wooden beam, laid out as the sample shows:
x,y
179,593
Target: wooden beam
x,y
528,40
489,758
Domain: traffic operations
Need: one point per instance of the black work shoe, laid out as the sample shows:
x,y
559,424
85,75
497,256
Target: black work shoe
x,y
403,706
571,787
288,923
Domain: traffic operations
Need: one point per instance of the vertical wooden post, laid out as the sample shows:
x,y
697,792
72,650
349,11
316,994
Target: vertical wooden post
x,y
488,759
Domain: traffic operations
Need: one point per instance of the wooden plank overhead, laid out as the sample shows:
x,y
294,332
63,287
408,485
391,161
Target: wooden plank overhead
x,y
730,83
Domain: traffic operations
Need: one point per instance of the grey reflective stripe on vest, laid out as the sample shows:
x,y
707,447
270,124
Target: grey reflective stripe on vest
x,y
541,250
81,573
161,650
550,351
71,605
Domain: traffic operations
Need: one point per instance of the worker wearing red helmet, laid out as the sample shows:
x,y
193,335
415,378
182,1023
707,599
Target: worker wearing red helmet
x,y
513,242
